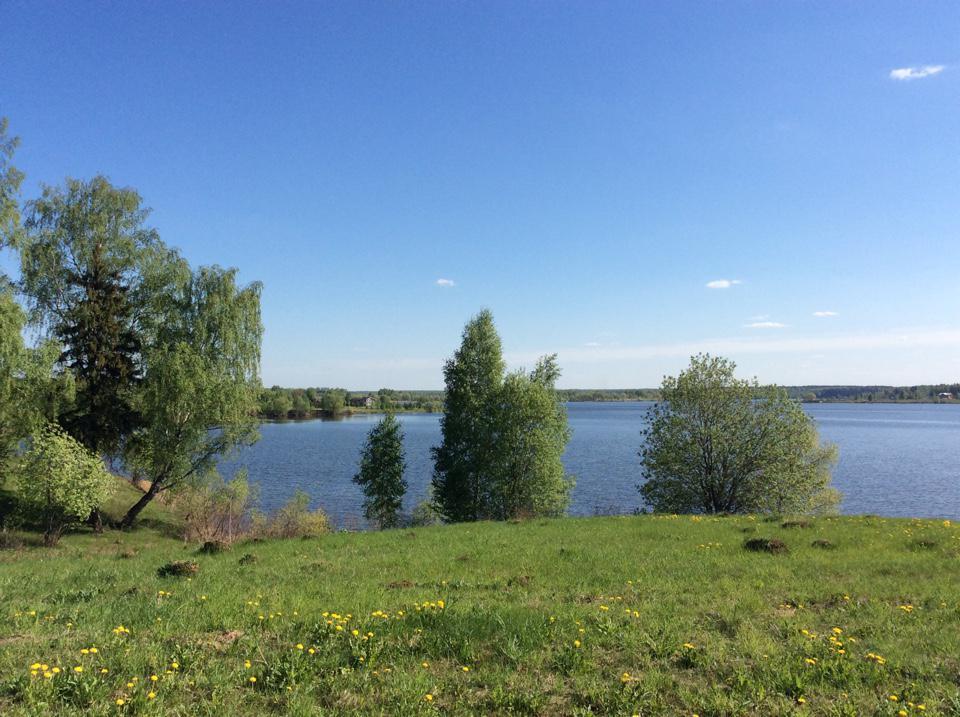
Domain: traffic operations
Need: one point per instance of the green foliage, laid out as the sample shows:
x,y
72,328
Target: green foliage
x,y
61,482
381,473
531,435
333,400
301,407
80,225
199,395
10,180
26,386
89,270
923,393
101,351
503,437
275,402
718,444
464,460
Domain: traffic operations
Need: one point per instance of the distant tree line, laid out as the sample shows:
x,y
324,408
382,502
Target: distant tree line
x,y
925,393
292,403
281,403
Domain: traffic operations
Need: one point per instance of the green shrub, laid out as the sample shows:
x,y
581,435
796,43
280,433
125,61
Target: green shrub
x,y
61,482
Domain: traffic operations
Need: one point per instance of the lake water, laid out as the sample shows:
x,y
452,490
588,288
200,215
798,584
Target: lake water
x,y
895,459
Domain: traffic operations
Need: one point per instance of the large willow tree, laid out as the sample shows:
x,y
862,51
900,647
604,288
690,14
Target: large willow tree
x,y
201,382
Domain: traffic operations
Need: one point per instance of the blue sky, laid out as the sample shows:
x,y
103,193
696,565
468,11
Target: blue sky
x,y
583,169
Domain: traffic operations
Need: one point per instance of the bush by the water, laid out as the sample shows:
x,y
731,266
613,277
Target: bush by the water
x,y
293,520
217,511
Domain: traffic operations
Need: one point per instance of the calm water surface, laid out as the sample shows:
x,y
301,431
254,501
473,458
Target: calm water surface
x,y
895,459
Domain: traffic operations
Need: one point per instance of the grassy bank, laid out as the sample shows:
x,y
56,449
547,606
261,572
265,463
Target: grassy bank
x,y
621,616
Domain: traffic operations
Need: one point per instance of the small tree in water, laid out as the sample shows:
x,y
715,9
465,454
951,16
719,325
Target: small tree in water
x,y
718,444
381,473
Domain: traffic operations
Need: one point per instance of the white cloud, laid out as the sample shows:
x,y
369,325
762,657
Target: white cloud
x,y
912,338
446,283
824,314
722,283
915,73
765,325
592,343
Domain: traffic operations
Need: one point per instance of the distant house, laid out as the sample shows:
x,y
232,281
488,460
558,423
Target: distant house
x,y
945,396
363,401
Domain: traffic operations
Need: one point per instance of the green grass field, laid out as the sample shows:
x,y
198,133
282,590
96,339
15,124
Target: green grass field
x,y
615,616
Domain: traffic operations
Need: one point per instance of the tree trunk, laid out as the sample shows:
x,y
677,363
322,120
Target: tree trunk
x,y
137,507
95,521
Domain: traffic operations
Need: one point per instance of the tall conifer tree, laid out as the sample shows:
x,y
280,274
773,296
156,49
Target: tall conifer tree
x,y
381,473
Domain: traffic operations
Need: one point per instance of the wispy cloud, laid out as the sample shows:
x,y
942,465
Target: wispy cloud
x,y
824,314
722,283
908,338
915,73
592,344
765,325
446,283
